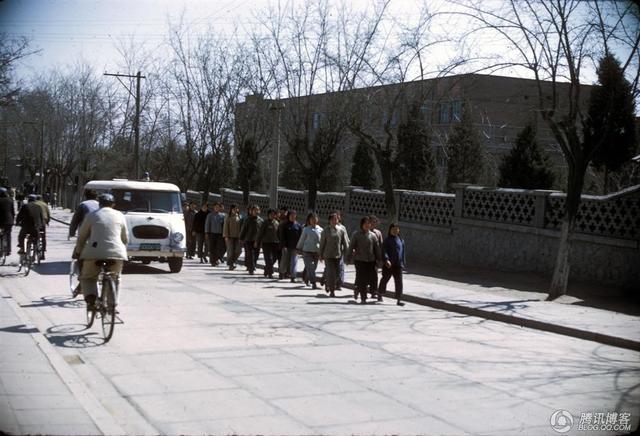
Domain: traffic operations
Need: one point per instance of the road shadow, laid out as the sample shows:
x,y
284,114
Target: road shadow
x,y
74,336
58,268
20,328
139,268
599,296
59,301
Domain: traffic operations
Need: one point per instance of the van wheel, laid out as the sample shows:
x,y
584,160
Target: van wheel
x,y
146,262
175,264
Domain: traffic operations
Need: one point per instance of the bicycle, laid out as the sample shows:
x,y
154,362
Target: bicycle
x,y
105,305
40,247
28,255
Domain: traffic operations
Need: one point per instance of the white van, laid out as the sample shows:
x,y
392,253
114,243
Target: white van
x,y
154,216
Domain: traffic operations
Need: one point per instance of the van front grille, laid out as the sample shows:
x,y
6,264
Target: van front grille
x,y
150,232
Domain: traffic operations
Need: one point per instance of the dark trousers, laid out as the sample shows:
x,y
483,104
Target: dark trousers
x,y
7,239
366,276
396,272
216,247
270,252
331,273
250,255
23,234
202,245
234,248
191,244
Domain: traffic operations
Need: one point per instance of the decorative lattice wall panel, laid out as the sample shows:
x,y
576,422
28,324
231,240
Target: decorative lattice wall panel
x,y
427,208
261,200
229,197
618,217
328,202
292,200
367,203
503,206
197,197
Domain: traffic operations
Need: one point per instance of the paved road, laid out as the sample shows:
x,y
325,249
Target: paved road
x,y
212,351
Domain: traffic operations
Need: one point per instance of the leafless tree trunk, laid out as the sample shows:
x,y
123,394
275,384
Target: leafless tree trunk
x,y
559,41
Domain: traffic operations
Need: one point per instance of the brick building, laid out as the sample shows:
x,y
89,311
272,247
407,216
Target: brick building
x,y
500,109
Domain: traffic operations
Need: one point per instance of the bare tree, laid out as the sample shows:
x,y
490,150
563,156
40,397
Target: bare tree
x,y
556,42
12,49
312,49
204,82
406,58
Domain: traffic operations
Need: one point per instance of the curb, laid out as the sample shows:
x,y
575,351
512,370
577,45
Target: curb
x,y
587,335
102,419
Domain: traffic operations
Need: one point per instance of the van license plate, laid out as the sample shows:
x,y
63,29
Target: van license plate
x,y
150,247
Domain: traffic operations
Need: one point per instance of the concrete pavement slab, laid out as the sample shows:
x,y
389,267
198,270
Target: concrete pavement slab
x,y
299,384
411,370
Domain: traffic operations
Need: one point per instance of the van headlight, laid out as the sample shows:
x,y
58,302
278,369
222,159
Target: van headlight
x,y
177,237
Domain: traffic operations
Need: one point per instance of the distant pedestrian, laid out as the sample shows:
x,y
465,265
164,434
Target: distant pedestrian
x,y
309,247
283,254
7,218
189,214
341,275
393,254
334,243
365,253
249,234
374,228
268,240
290,234
198,230
231,235
213,227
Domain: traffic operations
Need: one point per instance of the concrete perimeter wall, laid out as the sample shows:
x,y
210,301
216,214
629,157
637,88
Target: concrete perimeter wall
x,y
502,229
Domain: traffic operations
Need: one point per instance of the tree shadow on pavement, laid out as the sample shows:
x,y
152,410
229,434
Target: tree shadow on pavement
x,y
500,282
65,302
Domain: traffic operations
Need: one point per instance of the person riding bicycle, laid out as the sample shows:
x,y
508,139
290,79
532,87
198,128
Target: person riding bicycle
x,y
102,236
30,219
46,214
85,208
7,217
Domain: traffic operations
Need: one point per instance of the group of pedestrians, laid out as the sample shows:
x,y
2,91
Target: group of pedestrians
x,y
33,217
212,233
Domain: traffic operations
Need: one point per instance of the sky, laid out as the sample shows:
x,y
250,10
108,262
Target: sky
x,y
70,31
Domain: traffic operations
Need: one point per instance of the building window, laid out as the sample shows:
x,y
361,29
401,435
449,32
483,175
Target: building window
x,y
316,120
456,111
425,112
391,119
445,112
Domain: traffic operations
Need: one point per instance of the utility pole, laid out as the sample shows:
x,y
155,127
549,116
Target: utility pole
x,y
136,120
276,106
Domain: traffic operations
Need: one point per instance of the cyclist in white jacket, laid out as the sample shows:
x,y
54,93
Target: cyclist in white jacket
x,y
102,236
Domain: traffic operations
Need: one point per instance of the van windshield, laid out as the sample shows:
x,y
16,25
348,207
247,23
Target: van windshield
x,y
131,200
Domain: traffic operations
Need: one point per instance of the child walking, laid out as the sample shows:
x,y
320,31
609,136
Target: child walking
x,y
393,253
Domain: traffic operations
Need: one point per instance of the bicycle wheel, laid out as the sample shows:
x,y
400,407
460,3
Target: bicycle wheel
x,y
27,258
108,308
91,315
